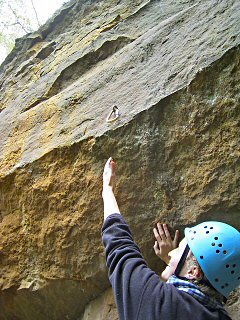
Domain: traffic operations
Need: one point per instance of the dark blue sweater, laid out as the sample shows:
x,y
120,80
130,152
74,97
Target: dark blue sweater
x,y
138,291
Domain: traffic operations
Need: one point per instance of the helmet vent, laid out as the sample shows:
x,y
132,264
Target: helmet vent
x,y
217,251
211,227
216,238
205,227
201,257
227,265
216,280
220,245
234,265
207,232
213,244
224,251
238,278
232,272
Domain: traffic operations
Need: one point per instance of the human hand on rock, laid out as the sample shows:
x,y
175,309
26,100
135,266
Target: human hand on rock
x,y
164,242
109,174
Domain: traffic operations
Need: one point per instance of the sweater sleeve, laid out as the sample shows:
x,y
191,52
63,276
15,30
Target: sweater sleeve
x,y
128,272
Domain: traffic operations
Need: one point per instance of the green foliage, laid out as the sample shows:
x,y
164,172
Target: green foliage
x,y
17,18
7,42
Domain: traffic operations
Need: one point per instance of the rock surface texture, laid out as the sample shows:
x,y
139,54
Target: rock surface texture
x,y
173,70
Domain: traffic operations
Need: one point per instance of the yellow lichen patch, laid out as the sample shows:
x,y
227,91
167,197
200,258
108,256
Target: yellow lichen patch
x,y
37,124
14,148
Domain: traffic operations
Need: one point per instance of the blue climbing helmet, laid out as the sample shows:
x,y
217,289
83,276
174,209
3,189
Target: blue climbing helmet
x,y
216,246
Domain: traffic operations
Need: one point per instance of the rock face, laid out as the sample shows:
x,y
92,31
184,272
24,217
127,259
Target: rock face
x,y
173,70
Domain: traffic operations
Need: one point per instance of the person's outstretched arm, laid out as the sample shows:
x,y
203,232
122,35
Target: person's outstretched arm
x,y
132,281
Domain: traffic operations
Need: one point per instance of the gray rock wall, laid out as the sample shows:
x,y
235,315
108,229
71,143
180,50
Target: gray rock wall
x,y
173,71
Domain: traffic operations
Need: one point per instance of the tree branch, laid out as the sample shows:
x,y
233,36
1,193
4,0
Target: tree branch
x,y
39,25
10,24
17,18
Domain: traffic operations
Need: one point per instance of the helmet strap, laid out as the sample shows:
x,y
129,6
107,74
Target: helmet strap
x,y
181,262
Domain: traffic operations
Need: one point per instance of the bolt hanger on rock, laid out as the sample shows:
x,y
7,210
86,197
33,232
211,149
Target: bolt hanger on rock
x,y
113,115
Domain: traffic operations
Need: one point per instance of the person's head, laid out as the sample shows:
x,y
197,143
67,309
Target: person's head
x,y
190,270
214,251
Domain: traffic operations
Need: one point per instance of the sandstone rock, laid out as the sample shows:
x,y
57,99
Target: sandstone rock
x,y
172,69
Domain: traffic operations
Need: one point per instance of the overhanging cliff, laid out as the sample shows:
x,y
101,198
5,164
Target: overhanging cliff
x,y
173,71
